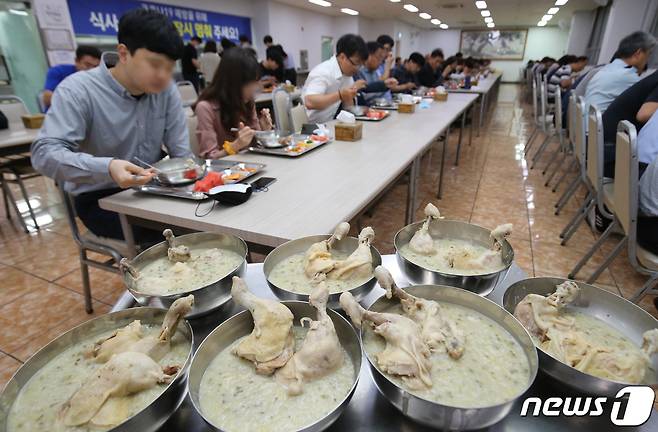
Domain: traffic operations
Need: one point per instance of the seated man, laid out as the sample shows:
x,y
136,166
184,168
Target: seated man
x,y
375,88
103,119
636,104
430,73
386,65
86,57
647,152
615,77
564,76
271,69
330,83
407,74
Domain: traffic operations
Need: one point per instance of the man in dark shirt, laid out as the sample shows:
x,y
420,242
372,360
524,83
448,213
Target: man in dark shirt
x,y
430,74
271,69
190,62
407,73
636,104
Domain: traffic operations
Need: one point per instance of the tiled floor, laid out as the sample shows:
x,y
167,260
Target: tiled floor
x,y
41,285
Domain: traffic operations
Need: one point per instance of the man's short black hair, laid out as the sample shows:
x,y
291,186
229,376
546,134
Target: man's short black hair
x,y
196,38
582,58
459,55
87,50
351,44
373,47
243,38
151,30
268,39
386,40
274,53
417,58
437,53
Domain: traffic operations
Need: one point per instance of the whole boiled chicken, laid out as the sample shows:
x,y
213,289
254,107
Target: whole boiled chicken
x,y
318,258
359,263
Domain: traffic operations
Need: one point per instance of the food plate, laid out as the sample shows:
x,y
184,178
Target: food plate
x,y
373,115
301,144
231,172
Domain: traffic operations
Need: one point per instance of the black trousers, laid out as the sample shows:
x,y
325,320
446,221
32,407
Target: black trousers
x,y
647,233
106,223
194,79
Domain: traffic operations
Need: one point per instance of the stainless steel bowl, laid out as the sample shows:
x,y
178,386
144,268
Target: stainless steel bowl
x,y
481,284
347,245
172,172
358,110
271,138
151,418
241,324
206,298
624,316
447,417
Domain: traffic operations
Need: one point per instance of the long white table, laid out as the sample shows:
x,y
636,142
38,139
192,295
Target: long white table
x,y
483,90
314,192
262,98
16,140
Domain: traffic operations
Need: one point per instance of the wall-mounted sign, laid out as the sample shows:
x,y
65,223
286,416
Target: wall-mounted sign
x,y
101,18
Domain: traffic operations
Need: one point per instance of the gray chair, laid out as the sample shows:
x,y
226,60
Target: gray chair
x,y
187,92
88,242
282,104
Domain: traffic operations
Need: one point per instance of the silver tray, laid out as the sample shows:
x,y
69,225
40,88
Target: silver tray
x,y
246,169
368,119
285,151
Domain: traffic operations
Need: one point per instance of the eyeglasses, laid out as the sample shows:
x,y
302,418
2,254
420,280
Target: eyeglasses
x,y
354,64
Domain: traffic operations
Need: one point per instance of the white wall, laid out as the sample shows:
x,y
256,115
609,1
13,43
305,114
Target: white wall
x,y
447,40
626,16
582,23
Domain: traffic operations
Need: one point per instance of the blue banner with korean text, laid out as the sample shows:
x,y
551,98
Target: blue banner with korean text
x,y
101,18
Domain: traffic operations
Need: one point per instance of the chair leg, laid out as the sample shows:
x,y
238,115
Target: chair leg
x,y
27,200
566,196
592,250
564,175
86,285
551,161
540,150
646,289
5,198
528,144
559,163
613,254
582,210
12,202
580,217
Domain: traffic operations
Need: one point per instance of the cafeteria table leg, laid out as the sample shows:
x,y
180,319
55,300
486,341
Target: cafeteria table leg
x,y
412,190
483,103
461,132
443,158
128,235
470,133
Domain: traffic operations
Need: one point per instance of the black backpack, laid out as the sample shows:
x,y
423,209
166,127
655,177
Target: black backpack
x,y
4,123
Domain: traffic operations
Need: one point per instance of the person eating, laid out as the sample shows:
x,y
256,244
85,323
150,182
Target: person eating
x,y
226,111
103,119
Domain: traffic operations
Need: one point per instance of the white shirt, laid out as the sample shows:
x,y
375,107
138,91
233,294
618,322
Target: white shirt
x,y
325,78
208,63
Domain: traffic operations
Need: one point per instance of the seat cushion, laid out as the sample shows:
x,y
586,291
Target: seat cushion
x,y
647,259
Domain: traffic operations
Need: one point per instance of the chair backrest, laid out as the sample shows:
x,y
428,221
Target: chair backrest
x,y
543,105
13,108
208,63
571,118
281,103
298,117
580,143
192,122
595,148
535,110
626,185
187,92
558,110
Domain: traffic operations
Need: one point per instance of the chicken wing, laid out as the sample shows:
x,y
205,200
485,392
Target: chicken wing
x,y
271,344
320,352
176,253
406,355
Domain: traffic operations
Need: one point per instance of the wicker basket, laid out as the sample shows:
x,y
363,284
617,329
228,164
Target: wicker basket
x,y
440,97
33,121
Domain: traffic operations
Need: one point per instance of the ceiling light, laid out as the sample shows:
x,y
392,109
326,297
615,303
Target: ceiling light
x,y
547,18
424,15
18,12
541,23
444,26
322,3
481,4
410,8
553,11
349,11
485,13
488,20
561,2
491,25
435,21
395,1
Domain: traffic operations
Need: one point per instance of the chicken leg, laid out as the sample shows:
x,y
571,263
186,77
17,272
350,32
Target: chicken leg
x,y
500,234
180,253
422,242
538,314
359,263
406,355
321,352
124,374
271,344
318,257
132,338
436,329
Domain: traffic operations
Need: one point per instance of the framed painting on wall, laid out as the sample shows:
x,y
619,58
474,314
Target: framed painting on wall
x,y
494,44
